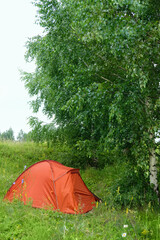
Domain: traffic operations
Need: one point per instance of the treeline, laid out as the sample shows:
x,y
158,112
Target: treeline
x,y
9,135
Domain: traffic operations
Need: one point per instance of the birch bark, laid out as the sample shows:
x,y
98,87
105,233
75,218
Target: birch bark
x,y
152,158
153,171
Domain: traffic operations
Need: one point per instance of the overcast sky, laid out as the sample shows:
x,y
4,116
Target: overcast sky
x,y
17,24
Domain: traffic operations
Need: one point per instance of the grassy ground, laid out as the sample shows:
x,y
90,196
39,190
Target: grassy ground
x,y
103,222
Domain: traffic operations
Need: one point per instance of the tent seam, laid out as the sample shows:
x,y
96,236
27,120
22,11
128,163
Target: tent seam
x,y
54,184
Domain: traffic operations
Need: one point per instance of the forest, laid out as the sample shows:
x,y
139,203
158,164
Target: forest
x,y
97,79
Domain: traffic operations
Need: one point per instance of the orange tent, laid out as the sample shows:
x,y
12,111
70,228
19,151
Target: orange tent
x,y
51,185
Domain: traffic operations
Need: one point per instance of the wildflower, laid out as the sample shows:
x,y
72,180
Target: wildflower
x,y
105,203
22,181
124,234
14,183
125,226
96,204
25,167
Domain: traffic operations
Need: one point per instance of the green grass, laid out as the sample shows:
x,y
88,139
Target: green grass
x,y
104,222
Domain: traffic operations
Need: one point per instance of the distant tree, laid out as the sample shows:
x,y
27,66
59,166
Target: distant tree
x,y
22,136
8,135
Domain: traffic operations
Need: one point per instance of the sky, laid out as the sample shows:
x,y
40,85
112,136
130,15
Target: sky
x,y
17,24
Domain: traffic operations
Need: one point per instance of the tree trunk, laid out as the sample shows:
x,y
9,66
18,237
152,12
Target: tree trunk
x,y
153,172
152,157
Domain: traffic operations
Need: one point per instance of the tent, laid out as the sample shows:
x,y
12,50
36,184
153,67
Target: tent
x,y
50,185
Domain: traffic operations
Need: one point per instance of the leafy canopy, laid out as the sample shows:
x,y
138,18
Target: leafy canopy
x,y
98,73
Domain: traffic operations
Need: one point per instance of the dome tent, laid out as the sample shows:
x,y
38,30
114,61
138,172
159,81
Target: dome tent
x,y
49,184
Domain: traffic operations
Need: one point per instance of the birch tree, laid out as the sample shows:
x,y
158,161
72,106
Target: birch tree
x,y
98,72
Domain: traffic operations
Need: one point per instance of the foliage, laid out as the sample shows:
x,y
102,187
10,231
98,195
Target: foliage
x,y
7,135
81,154
22,136
98,73
104,222
127,191
42,132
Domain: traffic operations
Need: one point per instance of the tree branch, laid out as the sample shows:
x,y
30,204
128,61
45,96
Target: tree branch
x,y
95,73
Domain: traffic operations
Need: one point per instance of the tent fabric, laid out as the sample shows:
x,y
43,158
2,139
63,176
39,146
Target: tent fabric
x,y
50,185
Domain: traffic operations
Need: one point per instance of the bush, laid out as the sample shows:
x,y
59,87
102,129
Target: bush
x,y
130,190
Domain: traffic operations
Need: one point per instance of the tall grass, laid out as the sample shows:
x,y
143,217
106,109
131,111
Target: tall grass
x,y
105,221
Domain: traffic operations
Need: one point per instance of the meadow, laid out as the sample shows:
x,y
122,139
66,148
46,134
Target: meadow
x,y
106,221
